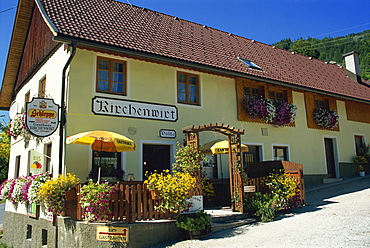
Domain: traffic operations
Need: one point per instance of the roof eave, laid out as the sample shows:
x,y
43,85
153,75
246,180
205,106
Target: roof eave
x,y
19,34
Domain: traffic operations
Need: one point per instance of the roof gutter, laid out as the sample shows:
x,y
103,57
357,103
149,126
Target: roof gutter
x,y
63,110
130,52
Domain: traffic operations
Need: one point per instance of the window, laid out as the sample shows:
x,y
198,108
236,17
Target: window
x,y
42,88
278,96
280,153
360,145
17,166
187,88
253,91
48,148
110,164
321,103
252,156
26,98
249,63
111,76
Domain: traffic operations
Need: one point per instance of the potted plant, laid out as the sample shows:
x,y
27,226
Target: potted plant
x,y
197,224
173,188
360,161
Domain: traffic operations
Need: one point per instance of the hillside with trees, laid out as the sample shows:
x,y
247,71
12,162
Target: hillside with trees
x,y
332,49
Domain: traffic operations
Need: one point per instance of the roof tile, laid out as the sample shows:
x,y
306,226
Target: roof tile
x,y
122,25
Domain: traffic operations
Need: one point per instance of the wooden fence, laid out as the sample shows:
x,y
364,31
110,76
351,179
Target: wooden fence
x,y
131,202
259,171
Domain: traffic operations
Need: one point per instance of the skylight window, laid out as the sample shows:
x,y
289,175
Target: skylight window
x,y
249,63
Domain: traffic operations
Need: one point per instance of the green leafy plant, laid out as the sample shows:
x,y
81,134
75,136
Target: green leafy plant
x,y
173,188
52,192
208,189
360,161
95,199
264,205
194,221
187,159
284,187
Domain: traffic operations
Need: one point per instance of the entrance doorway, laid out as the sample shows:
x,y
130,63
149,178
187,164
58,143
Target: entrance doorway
x,y
156,157
330,159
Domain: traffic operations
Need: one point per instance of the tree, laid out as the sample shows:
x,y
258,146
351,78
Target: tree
x,y
4,151
304,47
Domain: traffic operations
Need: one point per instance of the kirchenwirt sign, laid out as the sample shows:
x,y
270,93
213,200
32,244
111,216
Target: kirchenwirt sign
x,y
142,110
42,117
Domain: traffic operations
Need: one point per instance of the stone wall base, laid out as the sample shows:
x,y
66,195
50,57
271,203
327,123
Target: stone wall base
x,y
23,231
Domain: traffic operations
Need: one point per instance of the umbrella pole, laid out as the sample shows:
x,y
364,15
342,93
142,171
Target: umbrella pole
x,y
222,174
99,174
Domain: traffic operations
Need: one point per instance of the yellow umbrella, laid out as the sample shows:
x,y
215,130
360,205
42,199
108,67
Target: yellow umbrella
x,y
218,147
103,141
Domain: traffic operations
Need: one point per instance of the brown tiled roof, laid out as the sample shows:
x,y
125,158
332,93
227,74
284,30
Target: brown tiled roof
x,y
114,23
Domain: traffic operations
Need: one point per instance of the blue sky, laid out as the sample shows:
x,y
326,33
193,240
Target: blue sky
x,y
267,21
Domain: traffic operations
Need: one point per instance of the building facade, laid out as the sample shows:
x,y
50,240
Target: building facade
x,y
147,75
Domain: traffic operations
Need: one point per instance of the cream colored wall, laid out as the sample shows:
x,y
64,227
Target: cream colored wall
x,y
156,83
52,70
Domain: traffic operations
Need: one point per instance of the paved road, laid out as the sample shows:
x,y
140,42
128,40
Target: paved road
x,y
338,216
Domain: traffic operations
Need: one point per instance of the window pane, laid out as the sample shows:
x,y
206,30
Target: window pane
x,y
193,98
103,85
103,75
192,89
181,97
181,87
103,64
181,78
116,87
117,77
192,80
117,66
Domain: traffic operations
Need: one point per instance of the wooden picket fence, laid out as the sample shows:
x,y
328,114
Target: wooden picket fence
x,y
258,172
131,202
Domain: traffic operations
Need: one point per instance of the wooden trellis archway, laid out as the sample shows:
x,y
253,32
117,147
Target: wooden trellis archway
x,y
235,164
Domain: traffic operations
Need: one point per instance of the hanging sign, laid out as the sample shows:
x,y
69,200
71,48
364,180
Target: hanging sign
x,y
42,117
37,165
112,234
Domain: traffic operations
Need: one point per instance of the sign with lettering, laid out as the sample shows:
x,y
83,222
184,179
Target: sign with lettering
x,y
142,110
112,234
249,189
164,133
42,117
36,162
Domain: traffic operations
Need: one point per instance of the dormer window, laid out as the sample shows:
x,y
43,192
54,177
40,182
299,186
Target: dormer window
x,y
249,63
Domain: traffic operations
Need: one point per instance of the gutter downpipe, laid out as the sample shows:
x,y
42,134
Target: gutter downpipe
x,y
63,110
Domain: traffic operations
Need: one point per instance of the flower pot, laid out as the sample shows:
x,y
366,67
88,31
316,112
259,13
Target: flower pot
x,y
199,234
362,173
155,194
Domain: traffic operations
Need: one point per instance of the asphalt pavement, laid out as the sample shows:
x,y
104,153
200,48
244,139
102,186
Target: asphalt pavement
x,y
336,215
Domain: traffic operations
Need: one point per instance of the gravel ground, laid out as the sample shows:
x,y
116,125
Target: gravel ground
x,y
337,216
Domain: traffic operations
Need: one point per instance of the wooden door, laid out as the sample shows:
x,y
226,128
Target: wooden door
x,y
329,154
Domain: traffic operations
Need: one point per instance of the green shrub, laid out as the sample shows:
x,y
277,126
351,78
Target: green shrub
x,y
264,206
193,222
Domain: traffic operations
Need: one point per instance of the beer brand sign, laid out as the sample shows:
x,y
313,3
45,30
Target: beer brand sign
x,y
42,117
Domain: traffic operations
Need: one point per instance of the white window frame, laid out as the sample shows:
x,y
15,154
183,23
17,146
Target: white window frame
x,y
280,145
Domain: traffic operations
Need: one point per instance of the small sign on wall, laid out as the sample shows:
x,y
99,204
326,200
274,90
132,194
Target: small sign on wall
x,y
249,189
165,133
112,234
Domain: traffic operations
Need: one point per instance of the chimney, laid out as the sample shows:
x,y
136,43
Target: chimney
x,y
353,65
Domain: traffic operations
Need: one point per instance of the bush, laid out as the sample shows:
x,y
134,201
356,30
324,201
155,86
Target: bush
x,y
194,222
264,206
